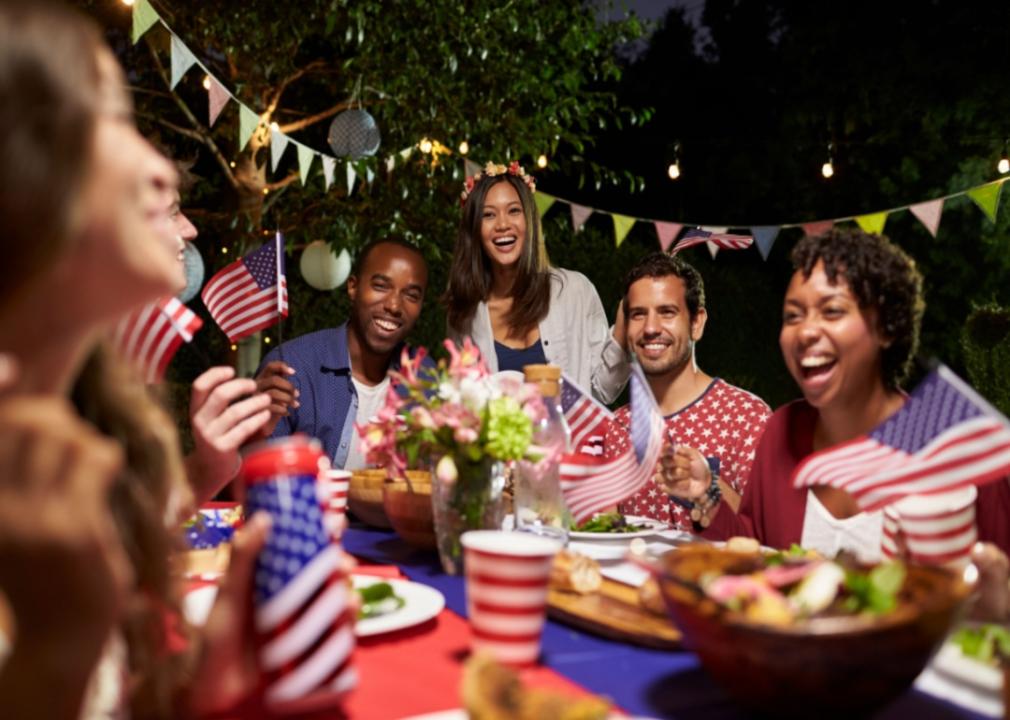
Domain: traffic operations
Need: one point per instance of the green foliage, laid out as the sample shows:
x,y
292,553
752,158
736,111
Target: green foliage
x,y
985,340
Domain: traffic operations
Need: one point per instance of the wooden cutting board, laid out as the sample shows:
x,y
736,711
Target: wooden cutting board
x,y
614,612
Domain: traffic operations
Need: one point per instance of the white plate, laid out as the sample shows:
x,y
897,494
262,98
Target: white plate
x,y
651,528
421,603
460,714
954,664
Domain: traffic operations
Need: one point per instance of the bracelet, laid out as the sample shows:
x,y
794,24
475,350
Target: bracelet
x,y
704,506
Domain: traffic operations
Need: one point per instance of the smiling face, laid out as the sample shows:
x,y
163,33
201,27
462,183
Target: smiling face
x,y
386,296
503,225
661,332
831,346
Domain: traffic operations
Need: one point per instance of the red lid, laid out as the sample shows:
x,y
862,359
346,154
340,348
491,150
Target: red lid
x,y
297,455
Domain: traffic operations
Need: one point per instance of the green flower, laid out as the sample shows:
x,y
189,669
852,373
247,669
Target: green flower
x,y
509,429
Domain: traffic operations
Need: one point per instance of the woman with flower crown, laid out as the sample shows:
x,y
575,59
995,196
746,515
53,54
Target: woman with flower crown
x,y
518,309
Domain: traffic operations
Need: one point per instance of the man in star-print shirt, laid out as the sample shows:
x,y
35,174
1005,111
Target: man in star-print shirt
x,y
711,420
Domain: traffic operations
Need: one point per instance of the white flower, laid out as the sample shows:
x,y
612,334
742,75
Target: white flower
x,y
474,393
449,392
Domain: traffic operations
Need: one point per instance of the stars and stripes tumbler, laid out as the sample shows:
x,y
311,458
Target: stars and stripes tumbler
x,y
302,618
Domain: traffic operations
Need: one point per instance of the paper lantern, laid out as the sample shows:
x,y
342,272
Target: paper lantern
x,y
322,269
354,134
195,270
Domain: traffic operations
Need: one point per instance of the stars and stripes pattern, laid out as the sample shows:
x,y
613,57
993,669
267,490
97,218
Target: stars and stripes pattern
x,y
587,419
302,614
944,437
723,241
591,485
150,337
251,293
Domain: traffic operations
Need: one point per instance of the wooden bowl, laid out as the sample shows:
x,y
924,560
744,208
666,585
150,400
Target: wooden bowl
x,y
832,665
364,497
408,508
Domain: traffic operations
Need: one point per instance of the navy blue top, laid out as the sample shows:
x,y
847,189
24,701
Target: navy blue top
x,y
329,404
512,359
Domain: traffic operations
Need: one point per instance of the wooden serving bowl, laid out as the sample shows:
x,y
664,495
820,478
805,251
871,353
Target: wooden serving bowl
x,y
364,497
408,507
832,665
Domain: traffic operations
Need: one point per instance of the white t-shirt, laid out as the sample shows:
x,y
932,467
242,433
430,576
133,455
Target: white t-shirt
x,y
370,399
828,535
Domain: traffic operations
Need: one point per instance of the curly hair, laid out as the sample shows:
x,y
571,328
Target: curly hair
x,y
881,276
660,265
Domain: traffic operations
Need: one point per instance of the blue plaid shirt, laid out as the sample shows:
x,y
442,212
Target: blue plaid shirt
x,y
329,404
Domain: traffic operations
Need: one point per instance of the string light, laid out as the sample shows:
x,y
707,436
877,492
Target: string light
x,y
128,3
542,161
266,339
206,82
425,145
234,348
828,168
673,171
266,191
224,251
275,127
464,147
1003,166
232,163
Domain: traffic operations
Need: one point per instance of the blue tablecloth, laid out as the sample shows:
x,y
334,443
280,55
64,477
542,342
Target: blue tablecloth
x,y
652,683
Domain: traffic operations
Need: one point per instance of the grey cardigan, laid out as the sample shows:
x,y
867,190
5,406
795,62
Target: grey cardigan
x,y
575,337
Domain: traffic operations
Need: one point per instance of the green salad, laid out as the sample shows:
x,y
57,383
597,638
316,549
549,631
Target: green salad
x,y
609,523
378,599
985,643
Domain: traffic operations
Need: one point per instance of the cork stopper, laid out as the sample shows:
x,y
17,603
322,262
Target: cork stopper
x,y
546,377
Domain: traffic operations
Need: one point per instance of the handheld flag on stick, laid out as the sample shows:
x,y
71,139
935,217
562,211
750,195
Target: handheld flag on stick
x,y
723,241
946,436
150,337
591,485
251,293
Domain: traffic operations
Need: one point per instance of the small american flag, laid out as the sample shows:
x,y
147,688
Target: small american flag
x,y
723,241
150,337
944,437
251,293
590,485
302,612
586,418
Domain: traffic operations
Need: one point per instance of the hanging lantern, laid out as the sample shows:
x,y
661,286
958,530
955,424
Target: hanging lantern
x,y
194,269
354,134
322,269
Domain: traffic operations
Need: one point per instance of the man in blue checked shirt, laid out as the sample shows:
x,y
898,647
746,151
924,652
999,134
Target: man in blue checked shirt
x,y
322,383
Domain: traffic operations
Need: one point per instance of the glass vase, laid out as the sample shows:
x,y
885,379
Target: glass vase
x,y
472,500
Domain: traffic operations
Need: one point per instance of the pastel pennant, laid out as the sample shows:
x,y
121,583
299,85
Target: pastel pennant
x,y
622,226
369,175
713,249
144,16
248,121
667,233
987,198
470,167
764,236
351,176
406,152
217,97
182,60
872,223
813,229
390,164
929,214
580,213
305,157
329,165
278,144
544,202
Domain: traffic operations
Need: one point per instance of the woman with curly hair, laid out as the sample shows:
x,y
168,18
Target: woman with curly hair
x,y
850,327
518,309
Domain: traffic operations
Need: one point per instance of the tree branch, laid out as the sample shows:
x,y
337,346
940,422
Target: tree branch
x,y
283,183
313,119
299,73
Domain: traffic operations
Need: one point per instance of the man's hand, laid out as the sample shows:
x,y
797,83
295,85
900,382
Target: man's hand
x,y
683,472
225,412
273,380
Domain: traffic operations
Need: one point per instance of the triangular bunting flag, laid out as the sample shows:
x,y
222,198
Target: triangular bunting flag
x,y
248,121
351,175
329,165
278,144
471,167
987,198
144,16
813,229
369,175
713,249
872,223
764,236
929,214
580,214
406,152
544,202
217,96
305,157
182,60
622,226
667,233
390,164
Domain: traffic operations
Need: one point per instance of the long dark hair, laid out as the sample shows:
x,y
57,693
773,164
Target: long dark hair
x,y
470,273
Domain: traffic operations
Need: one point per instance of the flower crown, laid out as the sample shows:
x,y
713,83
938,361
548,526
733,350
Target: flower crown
x,y
492,170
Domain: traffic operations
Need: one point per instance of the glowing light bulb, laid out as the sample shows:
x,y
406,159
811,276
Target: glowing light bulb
x,y
275,127
232,163
224,251
425,146
128,3
1003,165
235,347
673,171
266,191
464,147
267,339
542,161
206,82
827,169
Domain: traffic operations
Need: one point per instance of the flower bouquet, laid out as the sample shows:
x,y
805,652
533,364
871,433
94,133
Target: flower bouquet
x,y
465,424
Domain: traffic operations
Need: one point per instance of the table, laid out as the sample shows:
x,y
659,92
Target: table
x,y
644,682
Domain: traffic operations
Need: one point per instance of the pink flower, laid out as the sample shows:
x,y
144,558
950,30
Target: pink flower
x,y
465,435
422,417
465,360
515,169
446,470
411,367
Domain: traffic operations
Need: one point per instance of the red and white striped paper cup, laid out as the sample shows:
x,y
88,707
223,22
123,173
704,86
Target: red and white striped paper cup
x,y
939,529
332,487
506,592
